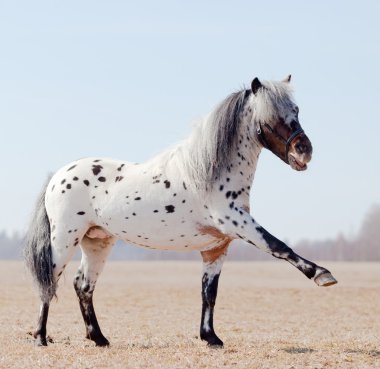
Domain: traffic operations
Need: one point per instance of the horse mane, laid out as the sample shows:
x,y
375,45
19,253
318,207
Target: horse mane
x,y
207,152
208,149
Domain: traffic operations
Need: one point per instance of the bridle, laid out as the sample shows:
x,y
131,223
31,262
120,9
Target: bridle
x,y
287,142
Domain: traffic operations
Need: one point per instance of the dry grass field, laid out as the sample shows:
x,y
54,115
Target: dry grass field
x,y
268,315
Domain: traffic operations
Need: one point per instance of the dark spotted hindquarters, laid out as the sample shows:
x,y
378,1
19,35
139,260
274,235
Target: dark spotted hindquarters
x,y
38,258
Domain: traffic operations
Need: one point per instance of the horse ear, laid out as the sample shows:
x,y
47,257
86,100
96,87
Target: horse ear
x,y
255,85
288,78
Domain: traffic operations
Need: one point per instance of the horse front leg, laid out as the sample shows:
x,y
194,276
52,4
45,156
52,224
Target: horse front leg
x,y
240,224
212,265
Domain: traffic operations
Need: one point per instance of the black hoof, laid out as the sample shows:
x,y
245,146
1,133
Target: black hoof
x,y
215,343
40,341
212,340
101,342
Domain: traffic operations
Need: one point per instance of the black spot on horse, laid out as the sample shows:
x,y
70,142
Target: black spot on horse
x,y
120,168
184,185
97,161
71,167
81,213
232,204
167,183
137,198
235,223
228,194
68,186
155,211
63,181
96,169
101,179
169,208
86,182
221,188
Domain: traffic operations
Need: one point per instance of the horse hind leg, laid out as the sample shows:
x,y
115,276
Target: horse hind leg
x,y
94,254
57,256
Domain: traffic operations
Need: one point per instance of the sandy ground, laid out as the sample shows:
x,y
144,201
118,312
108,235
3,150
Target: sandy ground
x,y
268,314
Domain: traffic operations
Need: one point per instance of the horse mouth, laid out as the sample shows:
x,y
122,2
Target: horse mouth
x,y
296,164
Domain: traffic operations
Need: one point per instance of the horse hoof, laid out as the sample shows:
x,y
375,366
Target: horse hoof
x,y
325,279
40,341
102,342
216,345
215,342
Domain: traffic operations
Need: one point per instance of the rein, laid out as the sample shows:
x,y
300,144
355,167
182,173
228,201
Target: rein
x,y
287,142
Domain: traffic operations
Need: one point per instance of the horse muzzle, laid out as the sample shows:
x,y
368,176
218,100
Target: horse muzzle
x,y
300,152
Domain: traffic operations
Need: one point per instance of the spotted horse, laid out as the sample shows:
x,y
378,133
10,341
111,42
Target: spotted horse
x,y
195,196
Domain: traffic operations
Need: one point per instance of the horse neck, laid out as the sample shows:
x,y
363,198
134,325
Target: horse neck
x,y
245,155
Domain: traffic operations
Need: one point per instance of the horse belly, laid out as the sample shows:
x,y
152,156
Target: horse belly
x,y
156,228
164,235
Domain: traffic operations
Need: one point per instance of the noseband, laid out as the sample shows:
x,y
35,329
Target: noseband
x,y
287,142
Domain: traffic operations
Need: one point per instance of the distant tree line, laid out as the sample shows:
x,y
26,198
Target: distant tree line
x,y
365,246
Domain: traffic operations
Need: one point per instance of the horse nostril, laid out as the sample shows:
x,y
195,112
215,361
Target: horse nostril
x,y
301,148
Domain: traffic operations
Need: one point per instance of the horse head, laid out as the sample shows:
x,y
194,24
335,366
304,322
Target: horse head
x,y
278,129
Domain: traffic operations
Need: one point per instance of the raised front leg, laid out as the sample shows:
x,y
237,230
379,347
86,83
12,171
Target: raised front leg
x,y
212,265
240,224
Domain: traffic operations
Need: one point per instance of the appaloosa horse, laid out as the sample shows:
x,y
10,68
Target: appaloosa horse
x,y
194,196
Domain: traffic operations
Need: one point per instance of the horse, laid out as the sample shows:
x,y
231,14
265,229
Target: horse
x,y
194,196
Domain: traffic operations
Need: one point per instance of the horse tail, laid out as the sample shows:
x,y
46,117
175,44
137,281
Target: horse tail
x,y
37,250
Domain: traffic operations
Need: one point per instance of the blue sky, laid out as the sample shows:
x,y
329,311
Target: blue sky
x,y
126,80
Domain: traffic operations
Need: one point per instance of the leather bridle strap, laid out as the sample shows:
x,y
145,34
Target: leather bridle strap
x,y
292,137
287,142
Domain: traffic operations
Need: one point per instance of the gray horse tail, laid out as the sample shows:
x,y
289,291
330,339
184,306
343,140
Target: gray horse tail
x,y
37,250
